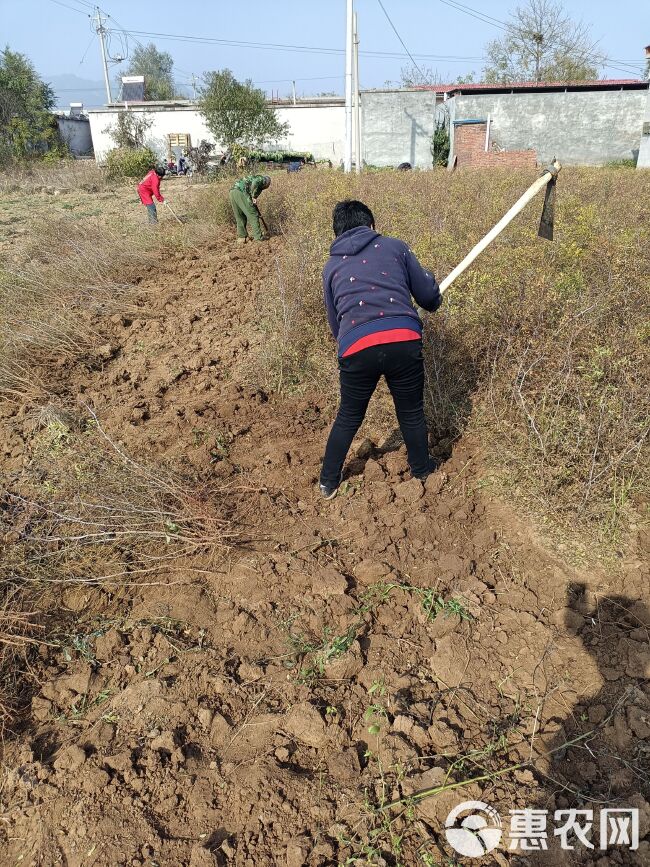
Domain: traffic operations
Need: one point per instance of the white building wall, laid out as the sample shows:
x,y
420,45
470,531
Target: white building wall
x,y
319,129
165,120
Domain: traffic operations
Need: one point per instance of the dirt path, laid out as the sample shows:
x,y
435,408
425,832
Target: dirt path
x,y
343,655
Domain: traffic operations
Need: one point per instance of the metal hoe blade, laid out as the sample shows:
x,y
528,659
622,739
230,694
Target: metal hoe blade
x,y
548,212
547,220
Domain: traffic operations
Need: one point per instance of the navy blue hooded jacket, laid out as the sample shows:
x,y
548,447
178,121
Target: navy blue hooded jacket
x,y
368,282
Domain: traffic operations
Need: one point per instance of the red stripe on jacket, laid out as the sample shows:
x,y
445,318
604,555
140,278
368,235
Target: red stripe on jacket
x,y
148,187
395,335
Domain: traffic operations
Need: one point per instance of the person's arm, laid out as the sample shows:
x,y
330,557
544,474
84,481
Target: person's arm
x,y
155,183
422,284
332,318
257,185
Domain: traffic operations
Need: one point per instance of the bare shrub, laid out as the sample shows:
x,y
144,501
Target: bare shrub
x,y
84,494
540,347
34,177
46,304
85,513
80,511
211,202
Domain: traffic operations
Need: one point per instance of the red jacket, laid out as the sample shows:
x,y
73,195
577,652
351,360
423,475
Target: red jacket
x,y
148,187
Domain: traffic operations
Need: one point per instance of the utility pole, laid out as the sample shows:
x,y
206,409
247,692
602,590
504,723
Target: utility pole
x,y
100,30
347,157
357,107
194,86
293,87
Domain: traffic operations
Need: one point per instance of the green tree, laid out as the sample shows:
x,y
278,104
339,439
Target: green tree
x,y
440,143
27,126
237,113
130,130
542,43
157,68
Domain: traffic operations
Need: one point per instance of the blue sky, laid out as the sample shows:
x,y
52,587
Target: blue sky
x,y
56,35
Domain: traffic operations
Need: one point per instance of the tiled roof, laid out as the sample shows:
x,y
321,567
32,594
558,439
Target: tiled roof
x,y
531,85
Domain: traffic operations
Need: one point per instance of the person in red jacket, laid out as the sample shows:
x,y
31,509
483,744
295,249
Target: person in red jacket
x,y
148,188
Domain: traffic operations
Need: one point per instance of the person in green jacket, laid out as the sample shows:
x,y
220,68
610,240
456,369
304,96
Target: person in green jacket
x,y
243,200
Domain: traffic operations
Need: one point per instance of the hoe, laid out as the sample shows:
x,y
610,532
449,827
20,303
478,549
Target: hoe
x,y
547,179
173,212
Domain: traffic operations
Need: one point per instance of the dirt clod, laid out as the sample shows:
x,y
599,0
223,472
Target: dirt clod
x,y
305,724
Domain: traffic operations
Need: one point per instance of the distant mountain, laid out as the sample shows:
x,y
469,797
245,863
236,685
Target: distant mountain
x,y
71,88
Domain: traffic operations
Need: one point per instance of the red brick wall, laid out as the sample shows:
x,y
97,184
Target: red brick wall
x,y
469,147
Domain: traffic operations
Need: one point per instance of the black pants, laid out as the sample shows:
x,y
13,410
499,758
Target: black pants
x,y
403,366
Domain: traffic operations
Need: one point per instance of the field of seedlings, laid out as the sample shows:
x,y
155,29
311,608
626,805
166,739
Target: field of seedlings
x,y
202,662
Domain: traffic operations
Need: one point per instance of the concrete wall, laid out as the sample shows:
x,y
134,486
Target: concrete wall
x,y
319,129
644,151
397,127
579,128
75,132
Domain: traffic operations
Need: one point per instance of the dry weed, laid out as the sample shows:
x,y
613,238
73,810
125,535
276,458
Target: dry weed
x,y
84,513
540,347
47,303
81,511
64,175
87,513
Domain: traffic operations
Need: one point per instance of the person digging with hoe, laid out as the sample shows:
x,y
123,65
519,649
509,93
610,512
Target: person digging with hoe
x,y
368,282
243,200
148,188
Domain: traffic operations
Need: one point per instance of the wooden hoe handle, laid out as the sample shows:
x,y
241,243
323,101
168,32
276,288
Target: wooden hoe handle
x,y
548,175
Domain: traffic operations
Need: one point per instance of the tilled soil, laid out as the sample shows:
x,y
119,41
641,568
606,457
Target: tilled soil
x,y
266,709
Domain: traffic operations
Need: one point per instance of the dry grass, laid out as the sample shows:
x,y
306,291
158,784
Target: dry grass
x,y
47,302
81,511
541,348
63,175
84,513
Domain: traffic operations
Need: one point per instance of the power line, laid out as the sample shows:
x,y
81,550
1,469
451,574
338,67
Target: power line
x,y
608,63
474,13
125,32
267,45
92,39
314,78
383,9
638,70
636,66
79,89
628,67
87,4
72,8
274,46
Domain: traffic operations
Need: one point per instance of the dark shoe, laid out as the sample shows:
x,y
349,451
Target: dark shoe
x,y
433,466
328,492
